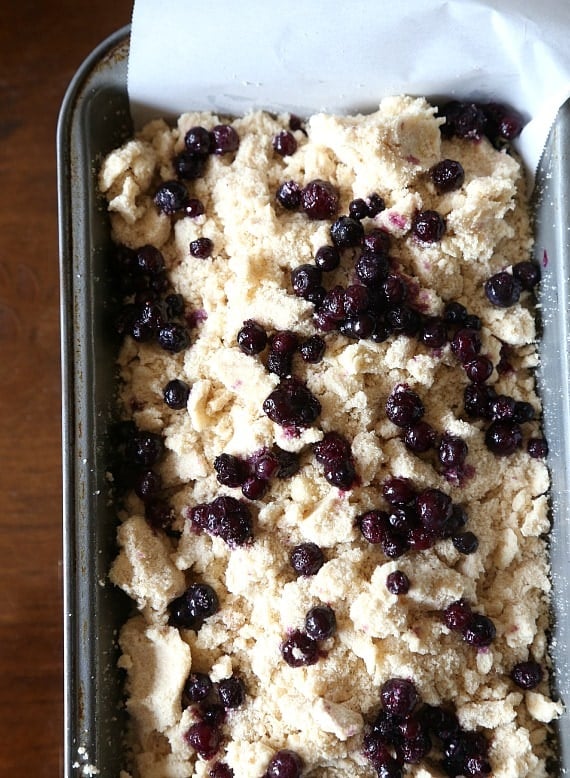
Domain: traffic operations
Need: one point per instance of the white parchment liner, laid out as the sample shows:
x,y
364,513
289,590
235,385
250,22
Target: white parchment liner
x,y
344,56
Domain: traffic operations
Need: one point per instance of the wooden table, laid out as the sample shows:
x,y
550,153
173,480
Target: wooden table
x,y
41,46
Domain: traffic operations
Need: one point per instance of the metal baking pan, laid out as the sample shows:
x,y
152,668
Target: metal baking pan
x,y
94,119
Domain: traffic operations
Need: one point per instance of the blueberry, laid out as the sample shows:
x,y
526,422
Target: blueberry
x,y
213,713
537,448
419,437
452,451
358,208
466,543
158,514
201,247
454,313
320,622
284,764
230,470
434,508
189,166
377,241
333,447
333,451
373,525
394,544
289,463
466,120
477,766
398,582
231,691
196,688
447,175
480,631
458,615
296,123
375,204
527,675
147,485
466,344
346,232
332,304
421,538
433,332
404,319
399,696
284,342
289,195
152,314
479,369
327,258
340,474
394,290
398,491
503,438
197,603
170,197
456,521
503,289
204,738
372,268
356,299
299,649
403,518
194,207
265,464
527,274
227,518
312,350
413,750
150,260
173,337
198,140
252,337
404,407
319,200
502,121
477,400
305,279
523,412
284,143
502,408
306,559
225,139
428,226
376,750
254,488
176,394
174,305
292,404
281,364
144,448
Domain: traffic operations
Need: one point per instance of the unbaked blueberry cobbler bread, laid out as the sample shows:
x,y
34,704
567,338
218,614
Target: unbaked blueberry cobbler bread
x,y
330,462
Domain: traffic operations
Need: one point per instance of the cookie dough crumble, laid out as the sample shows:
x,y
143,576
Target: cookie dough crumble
x,y
330,462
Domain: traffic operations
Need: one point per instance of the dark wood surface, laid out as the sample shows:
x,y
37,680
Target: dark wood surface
x,y
42,43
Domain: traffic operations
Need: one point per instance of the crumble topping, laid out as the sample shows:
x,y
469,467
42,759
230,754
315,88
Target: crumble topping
x,y
468,536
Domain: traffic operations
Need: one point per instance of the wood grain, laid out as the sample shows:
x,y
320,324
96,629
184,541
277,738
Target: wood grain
x,y
41,44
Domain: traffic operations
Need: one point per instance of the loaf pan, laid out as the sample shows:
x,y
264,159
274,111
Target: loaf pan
x,y
94,119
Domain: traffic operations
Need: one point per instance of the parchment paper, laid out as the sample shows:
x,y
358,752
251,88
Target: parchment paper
x,y
304,57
